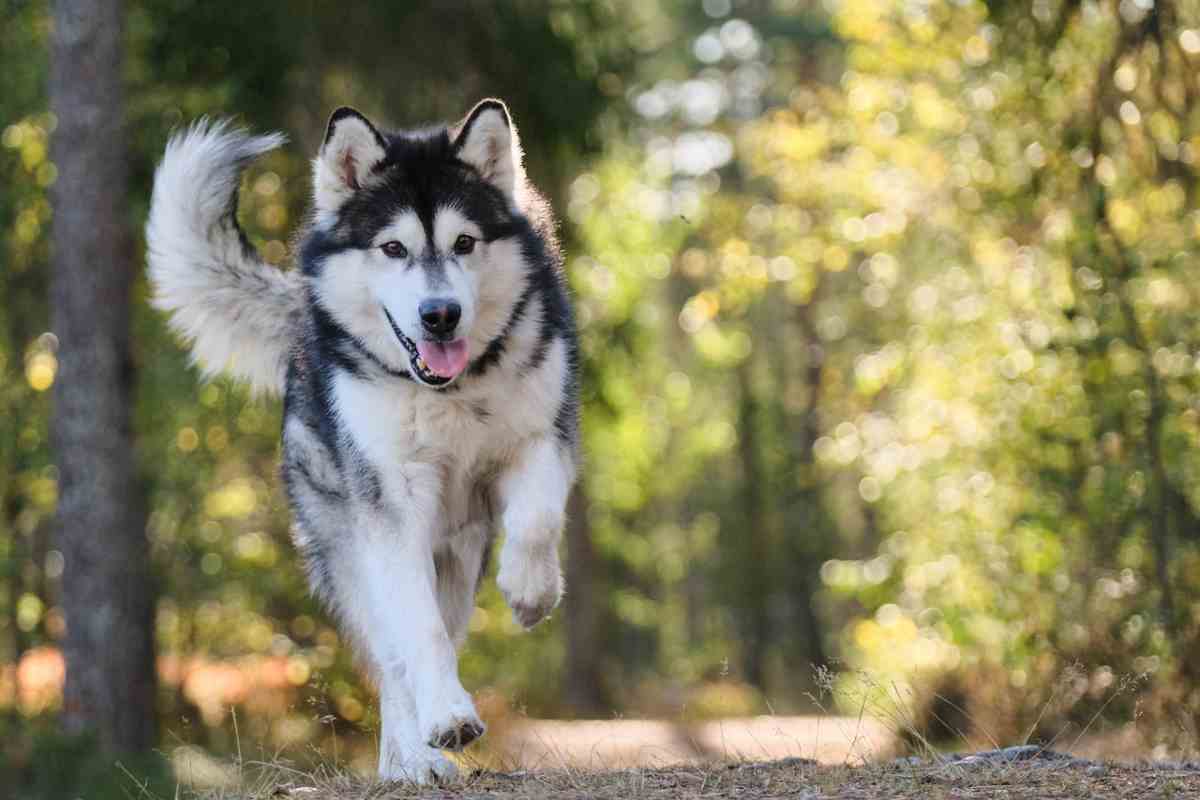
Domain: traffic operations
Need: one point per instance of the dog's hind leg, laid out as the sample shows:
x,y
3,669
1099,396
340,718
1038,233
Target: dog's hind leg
x,y
459,569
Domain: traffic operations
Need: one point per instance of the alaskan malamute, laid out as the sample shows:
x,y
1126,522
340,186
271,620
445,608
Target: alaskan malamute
x,y
427,356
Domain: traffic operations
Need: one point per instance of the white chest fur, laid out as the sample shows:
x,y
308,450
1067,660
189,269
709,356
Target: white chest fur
x,y
407,432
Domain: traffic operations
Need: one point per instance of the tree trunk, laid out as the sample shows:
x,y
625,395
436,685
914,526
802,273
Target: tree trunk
x,y
101,523
757,584
584,691
811,540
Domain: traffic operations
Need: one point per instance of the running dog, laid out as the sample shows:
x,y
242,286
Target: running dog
x,y
426,352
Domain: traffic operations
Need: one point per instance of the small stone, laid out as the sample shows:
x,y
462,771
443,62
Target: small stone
x,y
1008,755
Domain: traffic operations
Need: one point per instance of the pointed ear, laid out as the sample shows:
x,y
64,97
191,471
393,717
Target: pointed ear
x,y
487,140
352,147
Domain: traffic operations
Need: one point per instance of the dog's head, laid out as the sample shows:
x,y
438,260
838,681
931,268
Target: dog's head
x,y
413,250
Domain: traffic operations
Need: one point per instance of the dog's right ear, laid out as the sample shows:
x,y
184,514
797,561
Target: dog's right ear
x,y
352,147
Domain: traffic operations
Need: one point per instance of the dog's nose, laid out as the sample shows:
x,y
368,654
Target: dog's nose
x,y
439,316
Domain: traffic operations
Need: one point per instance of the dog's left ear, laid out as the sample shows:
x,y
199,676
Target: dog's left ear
x,y
351,149
487,140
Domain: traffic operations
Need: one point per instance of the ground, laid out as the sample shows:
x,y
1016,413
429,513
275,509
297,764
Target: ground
x,y
1043,778
801,758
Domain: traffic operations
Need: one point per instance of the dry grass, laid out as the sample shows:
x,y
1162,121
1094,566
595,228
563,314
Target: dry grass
x,y
799,779
743,759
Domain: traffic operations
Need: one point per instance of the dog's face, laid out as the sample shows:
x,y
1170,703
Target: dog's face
x,y
413,250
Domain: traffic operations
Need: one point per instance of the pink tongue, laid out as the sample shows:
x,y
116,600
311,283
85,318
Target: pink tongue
x,y
444,359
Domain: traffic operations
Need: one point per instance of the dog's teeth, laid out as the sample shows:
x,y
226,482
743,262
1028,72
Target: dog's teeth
x,y
421,363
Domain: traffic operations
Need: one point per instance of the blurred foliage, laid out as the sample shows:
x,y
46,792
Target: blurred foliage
x,y
891,354
40,763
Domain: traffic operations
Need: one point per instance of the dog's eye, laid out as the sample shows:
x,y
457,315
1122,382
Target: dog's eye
x,y
464,245
394,250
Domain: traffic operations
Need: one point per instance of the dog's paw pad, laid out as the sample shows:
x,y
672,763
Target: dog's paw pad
x,y
458,735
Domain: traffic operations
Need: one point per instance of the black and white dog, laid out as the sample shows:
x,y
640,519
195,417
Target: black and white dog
x,y
426,351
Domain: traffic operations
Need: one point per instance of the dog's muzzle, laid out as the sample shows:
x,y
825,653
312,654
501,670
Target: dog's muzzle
x,y
417,364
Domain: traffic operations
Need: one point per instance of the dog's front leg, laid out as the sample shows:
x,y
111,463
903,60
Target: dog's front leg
x,y
533,493
392,591
404,754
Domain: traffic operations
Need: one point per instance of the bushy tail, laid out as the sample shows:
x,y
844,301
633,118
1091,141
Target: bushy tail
x,y
239,312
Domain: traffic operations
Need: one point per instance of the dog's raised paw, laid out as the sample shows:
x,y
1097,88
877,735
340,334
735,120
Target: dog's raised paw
x,y
531,586
528,616
457,735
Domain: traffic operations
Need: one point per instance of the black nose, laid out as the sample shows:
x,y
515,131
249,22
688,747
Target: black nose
x,y
439,316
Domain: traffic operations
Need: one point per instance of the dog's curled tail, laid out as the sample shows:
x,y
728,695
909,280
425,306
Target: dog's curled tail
x,y
239,312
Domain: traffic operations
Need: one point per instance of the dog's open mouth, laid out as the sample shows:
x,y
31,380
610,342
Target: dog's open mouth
x,y
433,363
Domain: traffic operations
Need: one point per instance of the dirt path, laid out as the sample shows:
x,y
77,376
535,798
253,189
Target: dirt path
x,y
797,779
612,744
802,758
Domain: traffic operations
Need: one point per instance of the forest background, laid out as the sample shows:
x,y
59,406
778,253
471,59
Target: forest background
x,y
888,312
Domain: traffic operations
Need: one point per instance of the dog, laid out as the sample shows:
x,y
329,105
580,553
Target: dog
x,y
426,352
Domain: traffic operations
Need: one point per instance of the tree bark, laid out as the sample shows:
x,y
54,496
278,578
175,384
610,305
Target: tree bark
x,y
757,583
101,521
584,690
811,545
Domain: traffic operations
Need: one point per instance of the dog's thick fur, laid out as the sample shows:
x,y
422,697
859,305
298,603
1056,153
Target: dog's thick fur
x,y
410,435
